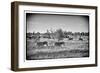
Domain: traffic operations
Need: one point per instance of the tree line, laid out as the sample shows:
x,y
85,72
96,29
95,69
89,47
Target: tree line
x,y
59,34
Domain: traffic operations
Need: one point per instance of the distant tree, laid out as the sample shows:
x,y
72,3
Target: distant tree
x,y
65,34
82,33
33,33
48,33
69,33
77,33
86,33
38,33
29,35
59,34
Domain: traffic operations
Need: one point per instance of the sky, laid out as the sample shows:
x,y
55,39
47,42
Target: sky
x,y
43,22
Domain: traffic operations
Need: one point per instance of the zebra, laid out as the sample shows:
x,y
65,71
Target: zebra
x,y
59,43
45,43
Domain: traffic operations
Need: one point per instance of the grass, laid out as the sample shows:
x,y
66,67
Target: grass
x,y
72,49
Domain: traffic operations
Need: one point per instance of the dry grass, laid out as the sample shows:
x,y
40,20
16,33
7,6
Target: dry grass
x,y
71,49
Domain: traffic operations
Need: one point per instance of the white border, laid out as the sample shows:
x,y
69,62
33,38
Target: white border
x,y
55,62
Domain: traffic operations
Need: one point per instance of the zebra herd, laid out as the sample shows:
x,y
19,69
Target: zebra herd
x,y
45,43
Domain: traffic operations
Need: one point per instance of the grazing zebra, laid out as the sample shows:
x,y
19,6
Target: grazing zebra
x,y
70,38
42,43
59,43
81,39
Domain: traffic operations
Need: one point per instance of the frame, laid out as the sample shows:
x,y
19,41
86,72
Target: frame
x,y
52,36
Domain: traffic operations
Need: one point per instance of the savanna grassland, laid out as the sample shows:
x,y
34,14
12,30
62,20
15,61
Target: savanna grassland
x,y
70,49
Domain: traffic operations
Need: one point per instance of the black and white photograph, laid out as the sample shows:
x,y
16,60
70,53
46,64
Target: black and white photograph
x,y
56,36
52,36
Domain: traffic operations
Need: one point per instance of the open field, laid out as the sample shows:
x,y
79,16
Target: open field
x,y
71,49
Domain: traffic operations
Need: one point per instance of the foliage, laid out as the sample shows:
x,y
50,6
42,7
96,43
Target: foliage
x,y
59,34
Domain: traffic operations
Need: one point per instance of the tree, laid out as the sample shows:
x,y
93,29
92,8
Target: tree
x,y
59,34
33,33
48,33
